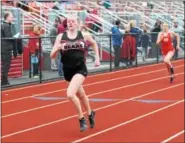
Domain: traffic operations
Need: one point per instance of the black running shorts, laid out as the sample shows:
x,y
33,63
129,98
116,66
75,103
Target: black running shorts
x,y
69,72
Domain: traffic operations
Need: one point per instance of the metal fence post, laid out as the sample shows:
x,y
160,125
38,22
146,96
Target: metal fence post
x,y
157,53
40,56
136,50
30,63
110,40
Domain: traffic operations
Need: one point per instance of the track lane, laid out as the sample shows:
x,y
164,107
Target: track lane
x,y
22,92
126,105
32,103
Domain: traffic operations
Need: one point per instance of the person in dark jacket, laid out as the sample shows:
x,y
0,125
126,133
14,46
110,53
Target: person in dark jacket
x,y
7,47
136,32
145,41
155,31
176,28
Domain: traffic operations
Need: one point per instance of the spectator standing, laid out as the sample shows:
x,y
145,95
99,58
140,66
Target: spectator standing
x,y
177,30
117,42
62,27
7,47
145,40
33,45
157,28
136,32
54,32
128,50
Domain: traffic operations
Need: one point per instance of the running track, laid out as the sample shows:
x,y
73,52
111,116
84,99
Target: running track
x,y
129,117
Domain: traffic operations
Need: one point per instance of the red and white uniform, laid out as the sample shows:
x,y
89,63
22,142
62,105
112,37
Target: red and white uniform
x,y
166,43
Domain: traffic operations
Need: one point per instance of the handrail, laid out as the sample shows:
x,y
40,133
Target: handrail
x,y
179,11
163,19
78,3
173,17
108,25
143,14
97,26
145,17
143,9
114,4
161,8
37,20
65,15
36,13
97,17
104,9
111,13
56,11
178,7
164,9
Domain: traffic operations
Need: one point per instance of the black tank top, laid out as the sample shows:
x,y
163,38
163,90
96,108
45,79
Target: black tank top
x,y
74,50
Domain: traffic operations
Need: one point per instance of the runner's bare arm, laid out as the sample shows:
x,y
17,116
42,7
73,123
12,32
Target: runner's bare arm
x,y
89,38
158,38
57,46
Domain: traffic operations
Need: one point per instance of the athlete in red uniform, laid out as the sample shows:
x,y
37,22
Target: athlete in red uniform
x,y
166,39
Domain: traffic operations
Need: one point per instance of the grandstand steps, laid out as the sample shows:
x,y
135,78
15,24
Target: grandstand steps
x,y
16,67
36,15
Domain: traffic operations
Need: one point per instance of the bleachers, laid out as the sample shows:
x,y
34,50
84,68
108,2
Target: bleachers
x,y
16,68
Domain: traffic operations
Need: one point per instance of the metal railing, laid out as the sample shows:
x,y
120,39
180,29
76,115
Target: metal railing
x,y
48,24
100,19
107,55
146,18
113,15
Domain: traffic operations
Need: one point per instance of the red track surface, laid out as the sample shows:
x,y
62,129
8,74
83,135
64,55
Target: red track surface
x,y
27,119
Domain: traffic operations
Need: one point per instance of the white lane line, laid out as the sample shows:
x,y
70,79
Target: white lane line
x,y
97,109
172,137
128,122
105,91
